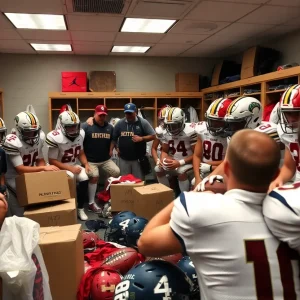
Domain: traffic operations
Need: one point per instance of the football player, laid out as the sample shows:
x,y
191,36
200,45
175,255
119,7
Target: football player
x,y
226,237
177,149
281,210
65,149
211,144
243,112
289,119
160,131
24,150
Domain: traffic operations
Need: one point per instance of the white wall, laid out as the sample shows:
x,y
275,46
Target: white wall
x,y
27,79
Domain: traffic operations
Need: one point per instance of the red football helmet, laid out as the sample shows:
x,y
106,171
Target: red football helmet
x,y
90,240
289,108
65,107
104,284
215,116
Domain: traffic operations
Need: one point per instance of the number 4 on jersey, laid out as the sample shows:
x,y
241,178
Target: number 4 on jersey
x,y
162,287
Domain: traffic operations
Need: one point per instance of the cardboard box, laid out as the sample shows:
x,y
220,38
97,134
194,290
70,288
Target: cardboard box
x,y
248,63
121,196
61,213
72,187
74,81
102,81
42,187
150,199
187,82
62,249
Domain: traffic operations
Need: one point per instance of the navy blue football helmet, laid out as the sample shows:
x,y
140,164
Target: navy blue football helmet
x,y
134,230
154,280
187,266
116,227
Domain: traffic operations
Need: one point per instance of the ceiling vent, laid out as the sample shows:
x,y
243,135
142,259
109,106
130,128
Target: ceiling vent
x,y
98,6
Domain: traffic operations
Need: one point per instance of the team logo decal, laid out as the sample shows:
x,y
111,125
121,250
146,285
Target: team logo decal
x,y
253,106
128,106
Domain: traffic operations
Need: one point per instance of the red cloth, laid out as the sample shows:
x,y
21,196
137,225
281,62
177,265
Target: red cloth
x,y
105,194
267,111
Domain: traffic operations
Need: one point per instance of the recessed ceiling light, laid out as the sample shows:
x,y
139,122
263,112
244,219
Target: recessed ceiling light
x,y
37,21
146,25
130,49
51,47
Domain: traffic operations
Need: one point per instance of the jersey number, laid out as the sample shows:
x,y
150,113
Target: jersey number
x,y
264,127
71,155
257,254
180,148
294,148
29,159
212,152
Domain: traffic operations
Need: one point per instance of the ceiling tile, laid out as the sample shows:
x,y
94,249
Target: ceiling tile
x,y
245,1
18,51
14,44
221,40
292,22
277,31
220,11
271,15
94,23
183,38
93,36
9,34
244,30
194,27
293,3
103,51
32,6
200,50
91,47
167,49
5,23
55,35
134,37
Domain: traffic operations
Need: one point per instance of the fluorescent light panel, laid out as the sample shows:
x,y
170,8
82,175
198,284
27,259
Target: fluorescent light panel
x,y
146,25
51,47
37,21
130,49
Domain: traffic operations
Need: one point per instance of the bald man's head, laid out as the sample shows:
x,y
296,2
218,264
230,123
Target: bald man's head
x,y
253,157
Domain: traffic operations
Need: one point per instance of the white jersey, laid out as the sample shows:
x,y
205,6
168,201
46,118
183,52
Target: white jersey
x,y
180,146
290,140
15,147
68,151
213,147
235,255
281,209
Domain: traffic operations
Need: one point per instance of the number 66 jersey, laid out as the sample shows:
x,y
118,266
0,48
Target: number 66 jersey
x,y
64,149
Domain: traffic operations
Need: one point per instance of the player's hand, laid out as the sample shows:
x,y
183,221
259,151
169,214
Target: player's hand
x,y
274,184
158,163
205,168
87,169
110,153
75,169
171,164
211,179
90,121
137,139
3,208
51,168
196,184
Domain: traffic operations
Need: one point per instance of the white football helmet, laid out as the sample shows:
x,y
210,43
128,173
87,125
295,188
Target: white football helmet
x,y
3,131
175,120
69,124
28,127
243,112
162,114
275,114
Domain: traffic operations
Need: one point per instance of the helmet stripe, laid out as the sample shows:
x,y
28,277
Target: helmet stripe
x,y
1,123
32,118
170,113
288,93
232,104
72,115
215,106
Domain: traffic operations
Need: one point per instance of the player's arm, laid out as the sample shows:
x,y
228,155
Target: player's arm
x,y
154,147
149,131
40,162
159,226
17,162
287,170
53,155
164,150
197,157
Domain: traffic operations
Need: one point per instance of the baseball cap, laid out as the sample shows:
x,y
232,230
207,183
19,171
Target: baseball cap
x,y
129,108
101,110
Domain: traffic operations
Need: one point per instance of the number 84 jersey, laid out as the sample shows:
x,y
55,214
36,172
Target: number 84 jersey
x,y
64,149
213,147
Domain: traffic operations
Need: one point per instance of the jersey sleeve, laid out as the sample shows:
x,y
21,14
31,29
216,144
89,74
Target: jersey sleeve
x,y
12,145
53,153
50,140
200,129
282,215
41,145
180,222
270,129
